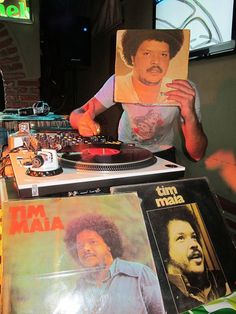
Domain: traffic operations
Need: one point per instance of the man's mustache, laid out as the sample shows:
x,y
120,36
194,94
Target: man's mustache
x,y
195,254
155,68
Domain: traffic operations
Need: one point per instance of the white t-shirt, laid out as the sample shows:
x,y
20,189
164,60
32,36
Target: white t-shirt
x,y
148,126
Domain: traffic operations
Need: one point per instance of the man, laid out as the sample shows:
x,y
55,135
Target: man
x,y
159,134
178,238
108,284
149,61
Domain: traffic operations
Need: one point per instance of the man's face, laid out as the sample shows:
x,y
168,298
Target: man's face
x,y
151,62
185,252
92,250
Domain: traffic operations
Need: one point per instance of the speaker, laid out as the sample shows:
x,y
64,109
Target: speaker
x,y
69,37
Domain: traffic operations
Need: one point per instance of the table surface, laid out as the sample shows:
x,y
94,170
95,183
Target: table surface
x,y
15,117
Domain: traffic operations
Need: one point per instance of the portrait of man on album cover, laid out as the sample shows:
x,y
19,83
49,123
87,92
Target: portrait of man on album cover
x,y
146,61
192,267
93,252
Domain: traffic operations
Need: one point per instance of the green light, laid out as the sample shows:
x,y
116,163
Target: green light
x,y
14,9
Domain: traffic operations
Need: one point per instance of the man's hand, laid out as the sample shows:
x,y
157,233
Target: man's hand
x,y
195,139
87,126
82,118
184,94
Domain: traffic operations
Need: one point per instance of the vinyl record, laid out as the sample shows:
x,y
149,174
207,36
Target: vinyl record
x,y
109,158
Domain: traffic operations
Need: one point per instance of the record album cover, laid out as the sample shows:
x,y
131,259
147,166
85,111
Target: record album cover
x,y
192,248
146,62
75,255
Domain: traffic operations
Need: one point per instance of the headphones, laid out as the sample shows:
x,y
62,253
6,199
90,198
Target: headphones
x,y
41,108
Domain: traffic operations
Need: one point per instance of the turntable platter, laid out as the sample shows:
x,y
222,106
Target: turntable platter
x,y
109,158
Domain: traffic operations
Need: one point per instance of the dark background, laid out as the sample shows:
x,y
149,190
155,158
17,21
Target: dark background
x,y
69,30
77,40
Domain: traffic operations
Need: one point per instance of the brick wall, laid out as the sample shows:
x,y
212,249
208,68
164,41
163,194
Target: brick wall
x,y
19,91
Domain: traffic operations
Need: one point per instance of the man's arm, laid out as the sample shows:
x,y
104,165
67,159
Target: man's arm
x,y
195,138
151,291
82,118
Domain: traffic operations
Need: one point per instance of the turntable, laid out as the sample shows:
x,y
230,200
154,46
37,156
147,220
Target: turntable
x,y
96,167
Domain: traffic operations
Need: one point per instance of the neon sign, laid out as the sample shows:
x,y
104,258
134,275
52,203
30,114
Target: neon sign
x,y
14,9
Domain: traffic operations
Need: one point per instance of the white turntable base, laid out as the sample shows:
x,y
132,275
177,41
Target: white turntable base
x,y
74,179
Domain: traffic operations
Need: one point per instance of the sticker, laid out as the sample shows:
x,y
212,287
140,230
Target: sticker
x,y
35,190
